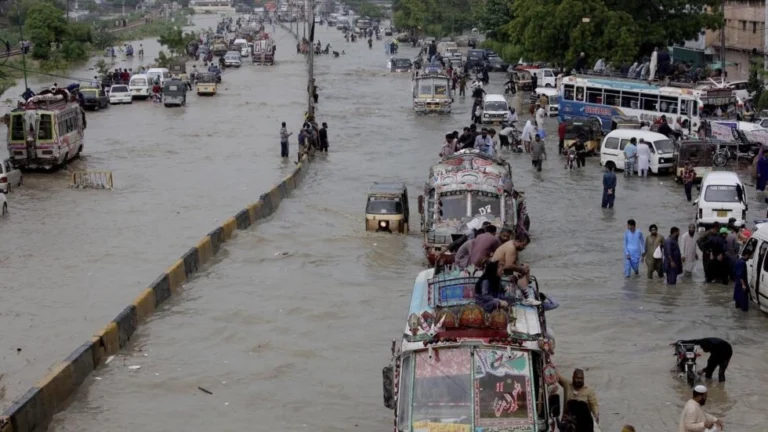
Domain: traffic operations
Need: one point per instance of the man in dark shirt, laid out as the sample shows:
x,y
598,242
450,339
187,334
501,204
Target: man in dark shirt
x,y
324,138
720,353
718,261
484,246
581,153
706,248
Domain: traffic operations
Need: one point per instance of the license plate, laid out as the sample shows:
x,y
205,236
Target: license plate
x,y
722,213
137,91
690,355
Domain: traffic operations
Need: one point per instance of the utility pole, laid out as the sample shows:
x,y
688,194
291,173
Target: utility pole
x,y
311,74
765,36
722,47
23,53
67,10
123,7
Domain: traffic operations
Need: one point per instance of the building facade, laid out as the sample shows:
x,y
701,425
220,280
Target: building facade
x,y
744,36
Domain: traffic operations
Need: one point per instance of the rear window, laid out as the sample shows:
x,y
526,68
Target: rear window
x,y
722,194
139,82
384,206
119,89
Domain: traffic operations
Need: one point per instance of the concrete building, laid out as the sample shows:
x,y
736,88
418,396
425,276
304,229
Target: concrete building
x,y
744,36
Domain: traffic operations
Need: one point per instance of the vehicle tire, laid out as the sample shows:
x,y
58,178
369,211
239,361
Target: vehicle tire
x,y
96,108
720,159
690,377
5,209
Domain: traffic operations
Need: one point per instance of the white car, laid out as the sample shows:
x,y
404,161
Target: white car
x,y
232,59
119,93
3,204
9,176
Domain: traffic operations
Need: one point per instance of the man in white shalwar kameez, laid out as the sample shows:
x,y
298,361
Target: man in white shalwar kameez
x,y
643,158
688,250
654,62
527,136
693,418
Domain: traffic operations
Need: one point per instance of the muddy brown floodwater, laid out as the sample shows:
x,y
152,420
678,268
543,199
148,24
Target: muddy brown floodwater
x,y
296,342
70,259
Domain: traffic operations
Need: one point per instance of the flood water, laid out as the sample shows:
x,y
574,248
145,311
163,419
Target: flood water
x,y
296,342
72,259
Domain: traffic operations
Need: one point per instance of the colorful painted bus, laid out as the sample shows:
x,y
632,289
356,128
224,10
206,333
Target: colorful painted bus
x,y
46,131
605,98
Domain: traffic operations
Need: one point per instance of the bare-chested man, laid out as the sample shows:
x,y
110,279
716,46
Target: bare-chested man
x,y
508,253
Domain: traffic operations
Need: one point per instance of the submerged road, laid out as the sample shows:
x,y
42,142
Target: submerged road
x,y
296,342
72,259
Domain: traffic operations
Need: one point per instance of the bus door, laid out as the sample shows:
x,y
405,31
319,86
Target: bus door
x,y
688,110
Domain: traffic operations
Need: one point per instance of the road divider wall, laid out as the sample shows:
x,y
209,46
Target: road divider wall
x,y
289,29
33,411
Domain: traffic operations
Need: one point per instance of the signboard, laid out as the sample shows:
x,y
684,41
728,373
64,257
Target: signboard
x,y
424,426
502,389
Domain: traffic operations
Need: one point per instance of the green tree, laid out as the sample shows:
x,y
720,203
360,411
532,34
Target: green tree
x,y
44,24
176,40
409,14
434,17
617,30
370,10
491,15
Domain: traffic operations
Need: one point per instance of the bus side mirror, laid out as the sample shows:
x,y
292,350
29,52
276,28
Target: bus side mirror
x,y
388,377
421,204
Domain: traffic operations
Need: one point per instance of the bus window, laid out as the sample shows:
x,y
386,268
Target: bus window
x,y
649,102
580,94
46,127
612,97
695,110
17,127
684,107
630,100
568,91
668,104
595,95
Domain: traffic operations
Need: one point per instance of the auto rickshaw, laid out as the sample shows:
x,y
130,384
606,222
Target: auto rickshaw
x,y
205,84
179,70
522,79
701,155
174,93
624,122
387,208
588,129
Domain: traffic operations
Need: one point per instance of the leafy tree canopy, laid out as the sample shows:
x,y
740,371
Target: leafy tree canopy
x,y
176,40
433,17
617,30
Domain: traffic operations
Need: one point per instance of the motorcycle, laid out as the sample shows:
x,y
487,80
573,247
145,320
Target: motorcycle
x,y
510,88
686,361
571,160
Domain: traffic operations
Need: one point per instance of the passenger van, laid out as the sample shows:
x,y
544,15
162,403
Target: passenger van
x,y
158,74
545,77
139,86
757,266
722,197
495,109
662,149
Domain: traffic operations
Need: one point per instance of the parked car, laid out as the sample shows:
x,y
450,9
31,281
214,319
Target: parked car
x,y
232,59
94,99
3,204
9,176
119,93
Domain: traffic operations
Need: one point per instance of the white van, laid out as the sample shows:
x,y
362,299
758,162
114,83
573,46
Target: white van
x,y
139,86
495,109
722,196
552,97
757,266
545,77
662,149
158,74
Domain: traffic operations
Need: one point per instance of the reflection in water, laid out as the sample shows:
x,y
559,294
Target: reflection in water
x,y
328,311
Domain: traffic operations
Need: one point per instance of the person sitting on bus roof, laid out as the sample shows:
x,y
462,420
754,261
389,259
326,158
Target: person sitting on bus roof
x,y
489,292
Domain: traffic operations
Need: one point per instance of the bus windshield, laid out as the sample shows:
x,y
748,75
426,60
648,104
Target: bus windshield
x,y
453,206
442,392
484,204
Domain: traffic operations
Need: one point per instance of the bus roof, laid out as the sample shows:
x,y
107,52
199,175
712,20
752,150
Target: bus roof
x,y
629,84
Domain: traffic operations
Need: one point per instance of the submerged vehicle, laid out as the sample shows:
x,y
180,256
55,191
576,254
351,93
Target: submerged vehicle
x,y
94,98
400,65
46,131
205,84
701,155
432,93
387,208
263,52
174,93
459,368
587,129
465,186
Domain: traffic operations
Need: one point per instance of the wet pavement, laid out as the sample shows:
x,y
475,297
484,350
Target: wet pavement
x,y
297,342
72,259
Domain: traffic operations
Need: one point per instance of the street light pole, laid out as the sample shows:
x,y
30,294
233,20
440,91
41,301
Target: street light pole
x,y
311,74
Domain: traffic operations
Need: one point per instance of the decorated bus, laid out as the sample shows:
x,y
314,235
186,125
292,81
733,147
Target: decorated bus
x,y
606,98
46,131
465,187
460,368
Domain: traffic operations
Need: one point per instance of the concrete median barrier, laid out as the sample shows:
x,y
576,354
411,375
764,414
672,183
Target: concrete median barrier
x,y
33,411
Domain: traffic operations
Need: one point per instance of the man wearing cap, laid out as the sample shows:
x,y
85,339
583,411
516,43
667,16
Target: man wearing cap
x,y
693,418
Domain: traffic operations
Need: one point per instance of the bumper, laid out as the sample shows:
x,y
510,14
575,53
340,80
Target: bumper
x,y
665,168
140,92
122,99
